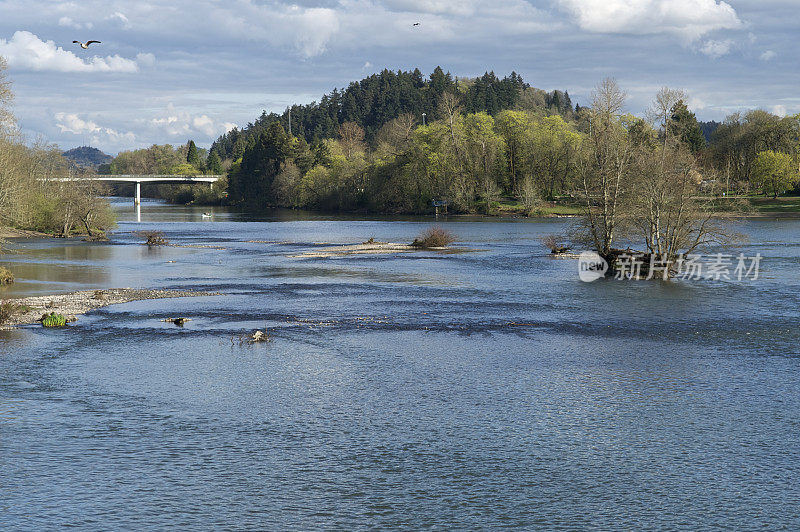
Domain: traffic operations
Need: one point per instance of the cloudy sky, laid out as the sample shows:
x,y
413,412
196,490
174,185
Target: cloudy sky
x,y
170,71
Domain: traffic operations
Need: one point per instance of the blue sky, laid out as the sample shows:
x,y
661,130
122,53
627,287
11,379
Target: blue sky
x,y
170,71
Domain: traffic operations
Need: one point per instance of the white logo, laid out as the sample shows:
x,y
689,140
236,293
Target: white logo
x,y
591,266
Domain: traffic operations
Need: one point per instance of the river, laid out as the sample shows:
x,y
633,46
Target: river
x,y
475,390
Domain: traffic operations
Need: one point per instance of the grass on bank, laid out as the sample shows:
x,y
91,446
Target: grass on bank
x,y
562,207
750,205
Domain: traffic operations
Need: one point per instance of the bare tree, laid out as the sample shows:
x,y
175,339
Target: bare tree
x,y
396,134
528,193
352,138
666,211
660,111
6,97
604,168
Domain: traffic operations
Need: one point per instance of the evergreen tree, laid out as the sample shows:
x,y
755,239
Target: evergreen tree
x,y
303,156
686,127
261,162
213,163
322,155
192,156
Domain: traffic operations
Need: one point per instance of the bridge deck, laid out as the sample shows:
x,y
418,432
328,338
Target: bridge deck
x,y
144,178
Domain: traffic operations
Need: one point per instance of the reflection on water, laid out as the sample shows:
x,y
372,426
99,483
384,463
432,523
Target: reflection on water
x,y
479,390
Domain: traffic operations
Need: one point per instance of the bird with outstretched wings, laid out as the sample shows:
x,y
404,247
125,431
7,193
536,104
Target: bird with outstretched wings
x,y
86,44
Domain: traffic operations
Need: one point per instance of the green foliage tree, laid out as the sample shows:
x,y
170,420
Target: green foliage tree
x,y
183,169
736,143
485,151
515,128
555,146
774,172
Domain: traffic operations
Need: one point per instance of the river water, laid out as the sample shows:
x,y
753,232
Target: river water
x,y
475,390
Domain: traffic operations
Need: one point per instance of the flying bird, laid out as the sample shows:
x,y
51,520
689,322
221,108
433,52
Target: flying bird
x,y
86,44
415,24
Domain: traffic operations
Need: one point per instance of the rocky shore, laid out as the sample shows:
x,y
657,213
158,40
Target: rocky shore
x,y
77,303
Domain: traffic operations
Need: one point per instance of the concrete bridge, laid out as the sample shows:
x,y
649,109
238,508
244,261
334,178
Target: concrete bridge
x,y
143,178
146,178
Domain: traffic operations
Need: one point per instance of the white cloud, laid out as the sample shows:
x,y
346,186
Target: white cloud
x,y
689,19
69,23
145,59
308,30
779,110
768,55
72,123
121,19
318,26
696,103
26,51
464,8
716,49
183,124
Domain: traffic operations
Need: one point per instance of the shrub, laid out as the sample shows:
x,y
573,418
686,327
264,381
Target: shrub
x,y
54,320
8,309
554,244
434,237
153,238
6,277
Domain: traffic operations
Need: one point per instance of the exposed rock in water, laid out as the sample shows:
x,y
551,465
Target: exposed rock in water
x,y
177,321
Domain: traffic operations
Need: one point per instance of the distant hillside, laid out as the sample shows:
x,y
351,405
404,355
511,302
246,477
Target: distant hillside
x,y
380,98
87,157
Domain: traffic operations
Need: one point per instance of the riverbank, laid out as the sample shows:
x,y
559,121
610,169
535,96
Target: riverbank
x,y
10,232
77,303
757,206
724,207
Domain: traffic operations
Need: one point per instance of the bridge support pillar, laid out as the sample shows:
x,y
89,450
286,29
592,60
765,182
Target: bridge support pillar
x,y
138,199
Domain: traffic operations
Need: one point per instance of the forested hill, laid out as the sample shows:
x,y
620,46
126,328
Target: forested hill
x,y
380,98
86,156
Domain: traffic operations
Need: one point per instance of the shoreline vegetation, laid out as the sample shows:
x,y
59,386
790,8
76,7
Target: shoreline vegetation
x,y
30,310
32,196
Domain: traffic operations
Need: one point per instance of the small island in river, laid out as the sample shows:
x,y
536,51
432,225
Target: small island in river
x,y
81,302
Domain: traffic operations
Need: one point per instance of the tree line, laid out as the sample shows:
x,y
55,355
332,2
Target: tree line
x,y
186,159
395,142
30,196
